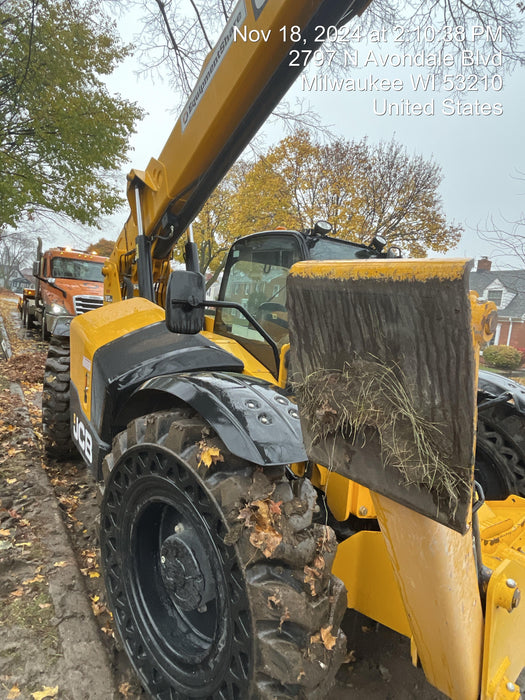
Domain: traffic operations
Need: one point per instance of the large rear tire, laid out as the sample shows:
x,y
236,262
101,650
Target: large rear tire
x,y
500,452
55,400
218,580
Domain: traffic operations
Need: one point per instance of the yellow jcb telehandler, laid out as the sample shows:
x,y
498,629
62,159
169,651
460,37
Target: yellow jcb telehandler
x,y
302,445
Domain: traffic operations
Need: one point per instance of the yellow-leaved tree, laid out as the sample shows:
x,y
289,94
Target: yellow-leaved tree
x,y
362,189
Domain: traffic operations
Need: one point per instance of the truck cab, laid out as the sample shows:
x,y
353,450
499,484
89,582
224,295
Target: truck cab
x,y
68,282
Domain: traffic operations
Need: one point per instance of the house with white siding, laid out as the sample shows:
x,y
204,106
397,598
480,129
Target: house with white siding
x,y
506,288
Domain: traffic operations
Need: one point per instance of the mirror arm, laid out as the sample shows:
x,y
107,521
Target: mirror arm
x,y
247,315
51,284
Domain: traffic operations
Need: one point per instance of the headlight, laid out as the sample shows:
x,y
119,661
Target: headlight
x,y
57,310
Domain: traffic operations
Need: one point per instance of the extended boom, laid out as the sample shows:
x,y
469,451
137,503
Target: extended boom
x,y
239,85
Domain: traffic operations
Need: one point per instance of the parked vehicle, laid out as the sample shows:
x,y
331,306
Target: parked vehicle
x,y
68,282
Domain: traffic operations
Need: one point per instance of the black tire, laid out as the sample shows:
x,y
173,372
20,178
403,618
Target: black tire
x,y
201,609
500,452
30,317
27,316
44,333
55,401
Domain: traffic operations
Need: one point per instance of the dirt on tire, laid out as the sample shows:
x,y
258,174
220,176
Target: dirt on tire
x,y
261,589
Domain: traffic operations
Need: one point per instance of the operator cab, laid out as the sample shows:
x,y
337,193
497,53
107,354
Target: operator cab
x,y
255,278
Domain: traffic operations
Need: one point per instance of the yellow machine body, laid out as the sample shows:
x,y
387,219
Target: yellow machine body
x,y
415,575
95,330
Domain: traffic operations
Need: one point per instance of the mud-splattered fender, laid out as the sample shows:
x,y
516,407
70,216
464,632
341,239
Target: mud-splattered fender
x,y
254,419
495,385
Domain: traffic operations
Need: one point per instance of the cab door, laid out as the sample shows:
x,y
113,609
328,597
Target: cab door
x,y
255,277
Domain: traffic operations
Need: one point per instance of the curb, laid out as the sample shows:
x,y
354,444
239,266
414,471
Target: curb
x,y
4,341
78,631
85,664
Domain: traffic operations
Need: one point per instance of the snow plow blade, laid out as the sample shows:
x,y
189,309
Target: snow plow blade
x,y
384,371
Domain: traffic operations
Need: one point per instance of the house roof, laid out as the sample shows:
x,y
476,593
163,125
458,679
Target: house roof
x,y
512,280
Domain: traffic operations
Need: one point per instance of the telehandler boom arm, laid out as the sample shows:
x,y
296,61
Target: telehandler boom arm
x,y
241,82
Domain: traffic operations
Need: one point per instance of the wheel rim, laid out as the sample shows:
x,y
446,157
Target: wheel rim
x,y
178,592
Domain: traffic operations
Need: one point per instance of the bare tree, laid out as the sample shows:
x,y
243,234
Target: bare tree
x,y
508,237
175,37
17,249
401,202
454,26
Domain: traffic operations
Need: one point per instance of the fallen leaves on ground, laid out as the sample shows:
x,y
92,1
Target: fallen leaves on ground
x,y
90,561
46,692
20,451
124,689
97,607
27,369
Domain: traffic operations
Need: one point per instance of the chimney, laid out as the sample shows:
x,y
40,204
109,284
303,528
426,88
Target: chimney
x,y
484,264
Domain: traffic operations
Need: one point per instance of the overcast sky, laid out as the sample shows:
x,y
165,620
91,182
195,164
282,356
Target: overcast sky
x,y
480,155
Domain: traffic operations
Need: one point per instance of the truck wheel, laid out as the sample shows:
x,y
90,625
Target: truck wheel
x,y
44,334
219,583
55,400
500,452
28,316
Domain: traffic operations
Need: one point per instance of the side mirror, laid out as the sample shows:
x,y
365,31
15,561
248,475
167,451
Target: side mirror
x,y
36,268
185,299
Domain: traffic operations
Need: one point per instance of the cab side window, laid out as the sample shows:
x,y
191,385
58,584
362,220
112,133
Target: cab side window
x,y
255,277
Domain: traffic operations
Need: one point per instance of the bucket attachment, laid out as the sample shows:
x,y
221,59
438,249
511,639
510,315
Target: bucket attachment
x,y
383,368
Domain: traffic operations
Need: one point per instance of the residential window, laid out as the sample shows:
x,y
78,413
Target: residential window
x,y
495,295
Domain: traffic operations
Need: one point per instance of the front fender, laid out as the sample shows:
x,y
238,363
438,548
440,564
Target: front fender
x,y
495,385
59,326
254,419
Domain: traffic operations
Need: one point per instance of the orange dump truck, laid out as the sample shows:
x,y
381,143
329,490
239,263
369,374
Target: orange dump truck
x,y
67,282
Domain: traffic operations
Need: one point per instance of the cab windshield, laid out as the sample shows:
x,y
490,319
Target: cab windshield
x,y
331,249
77,269
255,277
